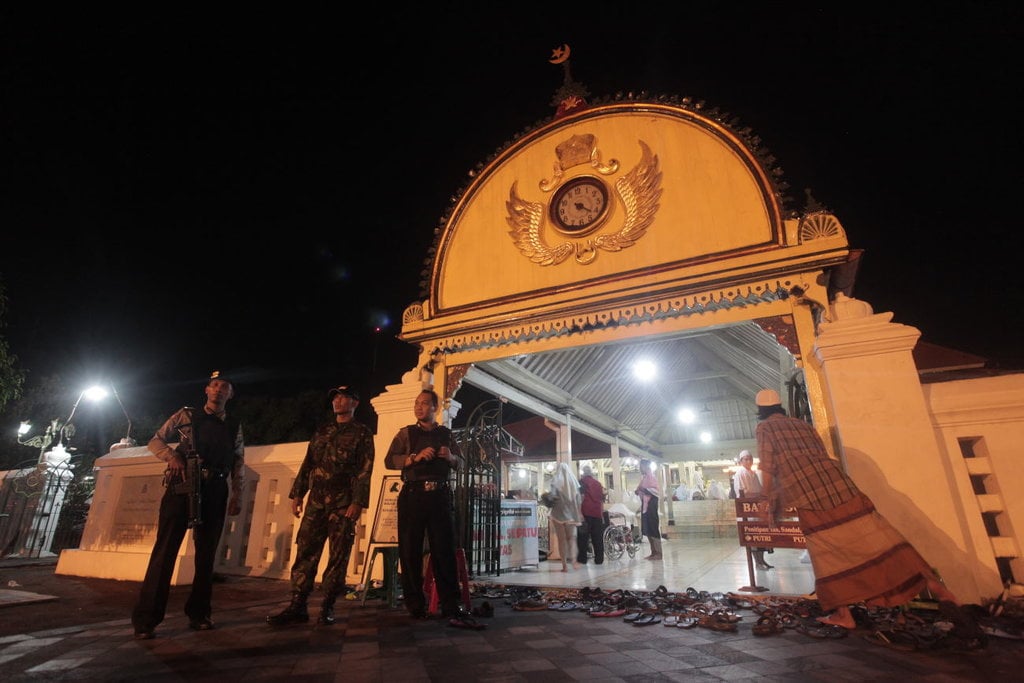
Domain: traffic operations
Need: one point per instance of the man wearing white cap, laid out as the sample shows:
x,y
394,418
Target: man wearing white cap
x,y
857,556
749,486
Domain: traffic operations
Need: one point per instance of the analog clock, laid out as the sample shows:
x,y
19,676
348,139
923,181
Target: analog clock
x,y
580,205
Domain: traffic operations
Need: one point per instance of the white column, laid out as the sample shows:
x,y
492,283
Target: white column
x,y
616,473
886,438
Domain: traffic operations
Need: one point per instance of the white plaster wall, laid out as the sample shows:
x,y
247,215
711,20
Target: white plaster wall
x,y
887,438
989,413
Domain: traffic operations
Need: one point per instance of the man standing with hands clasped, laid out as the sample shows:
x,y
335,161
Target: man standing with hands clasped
x,y
336,475
423,452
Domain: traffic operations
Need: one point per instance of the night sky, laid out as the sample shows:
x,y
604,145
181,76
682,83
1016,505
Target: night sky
x,y
180,195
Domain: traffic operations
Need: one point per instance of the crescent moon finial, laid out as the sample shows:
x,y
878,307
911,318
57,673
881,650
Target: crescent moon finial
x,y
560,54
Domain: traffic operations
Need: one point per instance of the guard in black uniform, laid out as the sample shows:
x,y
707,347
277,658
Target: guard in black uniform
x,y
425,454
217,438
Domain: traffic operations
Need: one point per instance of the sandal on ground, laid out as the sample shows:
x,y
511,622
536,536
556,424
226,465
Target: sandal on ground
x,y
767,626
718,623
466,621
901,641
822,631
670,620
632,616
687,622
647,620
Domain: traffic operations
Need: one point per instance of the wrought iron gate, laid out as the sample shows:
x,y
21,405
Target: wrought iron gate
x,y
478,492
43,507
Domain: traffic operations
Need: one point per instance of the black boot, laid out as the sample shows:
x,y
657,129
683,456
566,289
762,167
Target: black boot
x,y
326,617
294,613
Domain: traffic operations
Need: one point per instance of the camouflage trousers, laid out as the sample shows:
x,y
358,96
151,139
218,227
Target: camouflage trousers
x,y
320,526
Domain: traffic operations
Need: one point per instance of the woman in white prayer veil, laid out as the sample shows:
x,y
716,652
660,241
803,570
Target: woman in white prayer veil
x,y
566,513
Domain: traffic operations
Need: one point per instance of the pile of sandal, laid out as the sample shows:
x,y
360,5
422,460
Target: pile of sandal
x,y
935,626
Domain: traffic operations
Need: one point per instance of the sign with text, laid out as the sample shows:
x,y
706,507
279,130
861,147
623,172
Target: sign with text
x,y
135,515
518,542
385,523
755,532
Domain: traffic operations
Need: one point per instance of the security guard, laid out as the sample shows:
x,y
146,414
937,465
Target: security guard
x,y
424,453
336,475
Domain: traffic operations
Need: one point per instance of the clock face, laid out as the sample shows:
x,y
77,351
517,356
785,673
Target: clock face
x,y
580,205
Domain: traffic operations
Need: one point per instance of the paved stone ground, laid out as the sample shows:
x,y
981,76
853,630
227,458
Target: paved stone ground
x,y
83,633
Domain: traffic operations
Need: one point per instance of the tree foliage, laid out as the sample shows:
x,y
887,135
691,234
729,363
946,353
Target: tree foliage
x,y
12,378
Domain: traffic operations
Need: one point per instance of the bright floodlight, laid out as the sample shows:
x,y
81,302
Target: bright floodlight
x,y
705,437
686,416
644,370
24,428
96,393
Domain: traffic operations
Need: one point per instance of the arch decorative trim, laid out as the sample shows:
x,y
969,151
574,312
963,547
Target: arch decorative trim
x,y
647,312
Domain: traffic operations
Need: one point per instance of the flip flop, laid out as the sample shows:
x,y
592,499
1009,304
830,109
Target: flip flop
x,y
466,621
633,616
825,631
717,623
901,641
647,620
767,626
687,622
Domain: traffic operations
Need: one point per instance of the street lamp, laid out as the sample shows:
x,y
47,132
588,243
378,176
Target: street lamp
x,y
58,430
98,393
41,441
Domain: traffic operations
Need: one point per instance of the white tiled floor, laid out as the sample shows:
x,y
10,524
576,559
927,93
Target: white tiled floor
x,y
709,564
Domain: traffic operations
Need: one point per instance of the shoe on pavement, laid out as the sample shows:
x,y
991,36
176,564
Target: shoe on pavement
x,y
203,624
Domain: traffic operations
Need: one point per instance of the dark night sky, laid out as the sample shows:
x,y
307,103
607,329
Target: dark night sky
x,y
258,196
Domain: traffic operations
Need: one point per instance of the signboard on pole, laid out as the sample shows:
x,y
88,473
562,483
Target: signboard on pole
x,y
385,523
755,532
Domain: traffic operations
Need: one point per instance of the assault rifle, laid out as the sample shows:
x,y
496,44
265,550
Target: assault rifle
x,y
191,485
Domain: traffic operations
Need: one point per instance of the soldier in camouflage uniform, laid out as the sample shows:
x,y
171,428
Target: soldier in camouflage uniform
x,y
336,475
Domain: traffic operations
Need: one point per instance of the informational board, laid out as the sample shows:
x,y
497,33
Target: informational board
x,y
519,530
755,532
385,523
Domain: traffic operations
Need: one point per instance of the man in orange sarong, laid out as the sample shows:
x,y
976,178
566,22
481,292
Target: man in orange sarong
x,y
857,556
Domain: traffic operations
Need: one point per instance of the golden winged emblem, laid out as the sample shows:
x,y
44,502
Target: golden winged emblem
x,y
638,192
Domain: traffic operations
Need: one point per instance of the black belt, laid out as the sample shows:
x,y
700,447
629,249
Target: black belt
x,y
426,485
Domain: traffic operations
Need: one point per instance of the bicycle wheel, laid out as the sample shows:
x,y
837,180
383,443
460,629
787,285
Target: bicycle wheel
x,y
614,542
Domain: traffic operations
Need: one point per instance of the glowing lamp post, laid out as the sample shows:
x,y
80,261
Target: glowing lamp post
x,y
45,486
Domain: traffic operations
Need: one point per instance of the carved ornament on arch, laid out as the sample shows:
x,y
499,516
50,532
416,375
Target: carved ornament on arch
x,y
668,308
783,329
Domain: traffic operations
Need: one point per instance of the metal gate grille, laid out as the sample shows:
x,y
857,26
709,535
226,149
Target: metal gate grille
x,y
43,508
478,493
